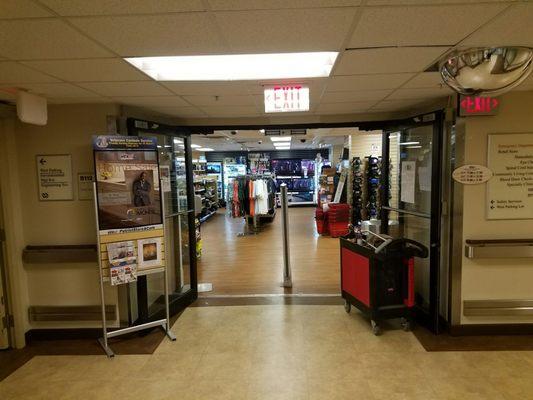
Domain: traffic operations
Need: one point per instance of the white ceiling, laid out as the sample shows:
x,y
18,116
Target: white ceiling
x,y
71,51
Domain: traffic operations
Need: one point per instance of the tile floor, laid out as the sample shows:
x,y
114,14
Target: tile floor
x,y
278,352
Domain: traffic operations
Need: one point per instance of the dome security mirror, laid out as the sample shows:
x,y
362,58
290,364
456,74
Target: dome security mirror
x,y
487,71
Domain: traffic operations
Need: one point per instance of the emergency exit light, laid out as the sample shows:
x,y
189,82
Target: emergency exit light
x,y
286,98
478,105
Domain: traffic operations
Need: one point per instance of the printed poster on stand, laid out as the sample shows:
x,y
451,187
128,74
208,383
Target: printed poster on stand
x,y
127,179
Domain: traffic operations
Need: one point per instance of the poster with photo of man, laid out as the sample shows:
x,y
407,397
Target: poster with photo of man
x,y
127,177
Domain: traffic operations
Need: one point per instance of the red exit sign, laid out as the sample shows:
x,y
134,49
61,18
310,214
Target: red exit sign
x,y
478,105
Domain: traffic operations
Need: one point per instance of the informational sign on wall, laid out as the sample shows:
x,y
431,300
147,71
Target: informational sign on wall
x,y
510,192
54,174
85,186
472,174
408,177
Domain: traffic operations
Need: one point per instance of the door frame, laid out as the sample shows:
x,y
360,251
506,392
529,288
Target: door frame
x,y
431,319
177,301
5,324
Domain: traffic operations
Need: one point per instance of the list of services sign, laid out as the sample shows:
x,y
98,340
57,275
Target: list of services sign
x,y
510,191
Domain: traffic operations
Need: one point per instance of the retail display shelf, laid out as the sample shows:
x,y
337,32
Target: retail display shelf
x,y
207,216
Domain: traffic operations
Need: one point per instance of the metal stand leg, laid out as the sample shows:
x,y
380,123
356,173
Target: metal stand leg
x,y
107,349
103,340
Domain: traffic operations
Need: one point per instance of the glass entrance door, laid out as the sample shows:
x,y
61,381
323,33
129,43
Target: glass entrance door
x,y
411,206
175,168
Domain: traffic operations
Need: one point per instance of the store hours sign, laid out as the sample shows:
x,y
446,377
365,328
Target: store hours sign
x,y
54,175
510,192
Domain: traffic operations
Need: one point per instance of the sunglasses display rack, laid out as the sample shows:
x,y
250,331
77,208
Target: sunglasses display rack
x,y
373,181
357,191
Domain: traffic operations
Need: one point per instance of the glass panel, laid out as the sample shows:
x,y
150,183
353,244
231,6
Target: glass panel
x,y
174,189
415,228
410,175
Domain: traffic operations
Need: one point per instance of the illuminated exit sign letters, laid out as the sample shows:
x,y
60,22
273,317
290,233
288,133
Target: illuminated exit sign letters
x,y
478,105
286,98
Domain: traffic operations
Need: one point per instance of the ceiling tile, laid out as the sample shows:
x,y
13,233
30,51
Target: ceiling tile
x,y
45,39
21,9
113,7
362,95
287,30
420,94
425,80
344,108
427,2
316,86
152,101
215,101
208,88
91,70
235,111
390,60
126,89
149,35
367,82
513,28
12,72
398,105
79,100
419,26
57,90
278,4
191,112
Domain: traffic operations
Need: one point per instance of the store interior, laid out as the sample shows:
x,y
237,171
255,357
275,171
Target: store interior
x,y
240,246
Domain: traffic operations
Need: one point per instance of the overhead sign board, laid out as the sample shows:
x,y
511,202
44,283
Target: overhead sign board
x,y
478,105
286,98
510,192
472,174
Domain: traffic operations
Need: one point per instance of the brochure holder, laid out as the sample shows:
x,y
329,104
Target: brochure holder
x,y
163,323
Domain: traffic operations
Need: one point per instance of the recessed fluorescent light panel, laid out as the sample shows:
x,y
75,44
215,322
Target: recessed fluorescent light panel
x,y
205,149
280,138
195,146
232,67
409,143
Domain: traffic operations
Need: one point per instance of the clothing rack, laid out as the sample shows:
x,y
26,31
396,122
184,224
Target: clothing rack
x,y
242,204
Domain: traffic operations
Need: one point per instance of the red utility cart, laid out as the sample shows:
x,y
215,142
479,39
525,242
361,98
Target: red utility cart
x,y
378,278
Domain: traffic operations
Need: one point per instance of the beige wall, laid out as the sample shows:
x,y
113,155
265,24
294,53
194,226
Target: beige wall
x,y
493,279
68,131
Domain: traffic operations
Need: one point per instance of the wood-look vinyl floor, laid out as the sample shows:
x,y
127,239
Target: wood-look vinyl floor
x,y
254,264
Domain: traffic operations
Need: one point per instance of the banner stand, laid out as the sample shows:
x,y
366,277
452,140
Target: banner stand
x,y
163,323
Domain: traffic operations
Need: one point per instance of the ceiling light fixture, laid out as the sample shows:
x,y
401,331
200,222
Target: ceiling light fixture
x,y
195,146
232,67
276,139
408,143
205,149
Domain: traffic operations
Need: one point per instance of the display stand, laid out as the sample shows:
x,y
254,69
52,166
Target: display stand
x,y
163,323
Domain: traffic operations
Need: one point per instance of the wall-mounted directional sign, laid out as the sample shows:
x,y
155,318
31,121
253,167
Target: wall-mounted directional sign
x,y
54,177
510,192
